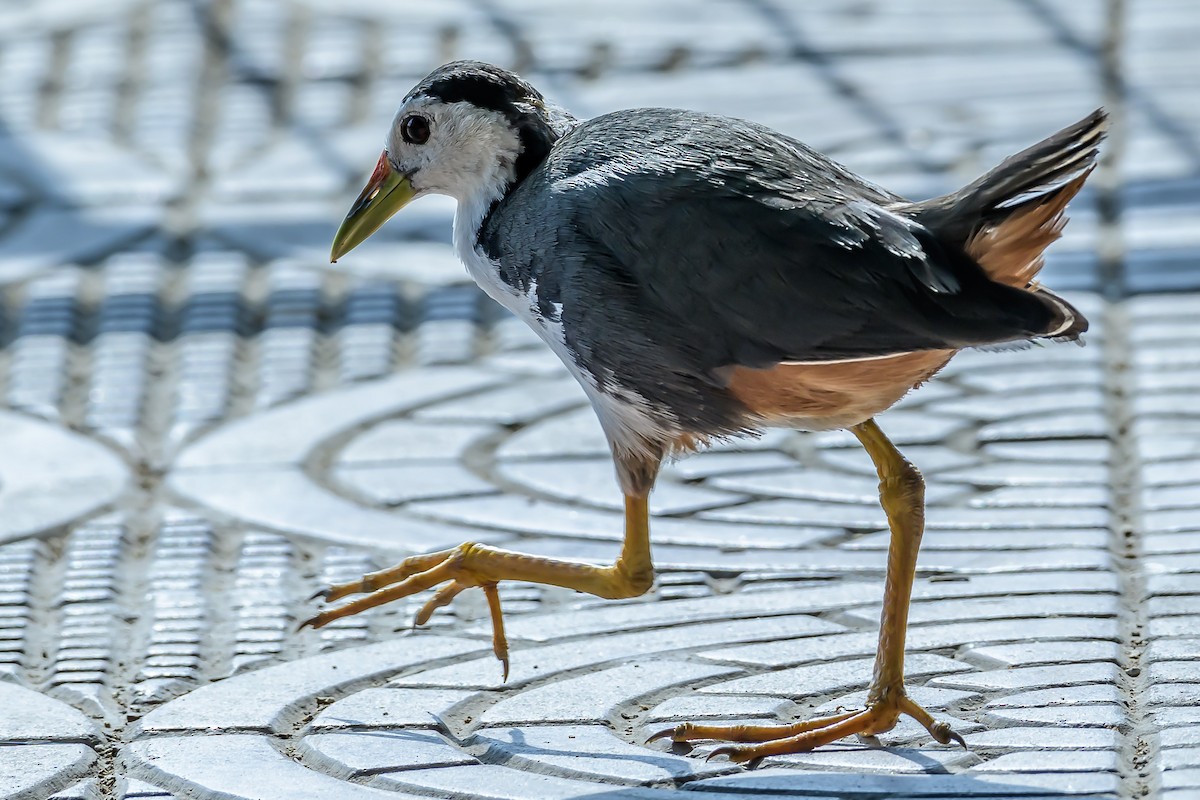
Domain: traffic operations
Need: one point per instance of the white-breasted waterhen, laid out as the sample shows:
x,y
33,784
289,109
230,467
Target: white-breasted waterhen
x,y
704,277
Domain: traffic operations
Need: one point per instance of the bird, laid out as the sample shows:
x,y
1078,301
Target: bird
x,y
704,277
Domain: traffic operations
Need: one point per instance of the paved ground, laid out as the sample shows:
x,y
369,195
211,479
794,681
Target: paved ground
x,y
204,422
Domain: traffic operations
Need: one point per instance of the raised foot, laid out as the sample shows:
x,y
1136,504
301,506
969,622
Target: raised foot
x,y
773,740
414,575
470,565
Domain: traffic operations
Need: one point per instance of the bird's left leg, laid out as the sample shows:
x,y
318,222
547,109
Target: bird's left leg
x,y
902,494
472,564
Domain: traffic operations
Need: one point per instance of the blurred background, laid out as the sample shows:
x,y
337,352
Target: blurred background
x,y
179,166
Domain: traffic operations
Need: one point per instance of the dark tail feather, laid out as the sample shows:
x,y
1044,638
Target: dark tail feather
x,y
1006,219
1028,177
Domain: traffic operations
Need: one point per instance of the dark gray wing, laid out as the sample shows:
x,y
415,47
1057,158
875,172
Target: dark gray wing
x,y
736,245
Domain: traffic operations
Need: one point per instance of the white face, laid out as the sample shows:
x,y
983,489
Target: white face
x,y
469,152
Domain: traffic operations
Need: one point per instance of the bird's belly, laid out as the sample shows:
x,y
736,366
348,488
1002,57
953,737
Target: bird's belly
x,y
834,395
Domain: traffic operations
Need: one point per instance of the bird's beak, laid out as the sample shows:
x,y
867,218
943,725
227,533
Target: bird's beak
x,y
386,193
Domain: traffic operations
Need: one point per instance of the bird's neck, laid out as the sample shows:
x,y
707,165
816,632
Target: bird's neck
x,y
473,210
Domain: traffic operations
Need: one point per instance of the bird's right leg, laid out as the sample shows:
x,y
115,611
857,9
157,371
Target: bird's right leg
x,y
472,564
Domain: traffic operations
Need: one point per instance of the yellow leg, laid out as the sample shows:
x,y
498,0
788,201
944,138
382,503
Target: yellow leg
x,y
902,494
479,565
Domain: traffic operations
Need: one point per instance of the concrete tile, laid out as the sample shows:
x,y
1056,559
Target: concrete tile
x,y
492,782
590,752
536,663
390,485
384,708
237,765
523,514
815,680
32,769
361,753
1091,761
401,440
269,699
1032,677
595,696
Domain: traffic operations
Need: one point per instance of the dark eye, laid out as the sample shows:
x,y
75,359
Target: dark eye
x,y
415,129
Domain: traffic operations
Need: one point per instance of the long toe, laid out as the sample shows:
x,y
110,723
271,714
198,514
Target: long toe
x,y
757,742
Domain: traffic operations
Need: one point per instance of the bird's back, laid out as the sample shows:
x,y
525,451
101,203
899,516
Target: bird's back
x,y
678,250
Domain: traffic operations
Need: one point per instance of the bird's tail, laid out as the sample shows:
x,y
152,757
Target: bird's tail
x,y
1007,218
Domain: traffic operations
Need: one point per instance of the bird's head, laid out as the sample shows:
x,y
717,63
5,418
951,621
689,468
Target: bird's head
x,y
469,130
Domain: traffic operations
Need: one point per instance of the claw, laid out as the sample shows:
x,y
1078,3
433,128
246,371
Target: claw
x,y
735,754
322,593
664,733
499,640
944,734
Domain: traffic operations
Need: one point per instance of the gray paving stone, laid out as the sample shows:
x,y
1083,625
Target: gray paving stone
x,y
982,608
1180,758
833,676
997,406
31,716
1181,779
406,440
614,617
236,765
396,485
524,402
888,760
684,708
984,539
1092,761
34,770
1100,716
1172,671
1095,694
1175,626
1172,716
1174,694
1031,473
285,436
84,475
388,708
777,654
593,482
268,497
517,513
811,485
1035,653
594,697
361,753
1032,677
943,702
572,434
779,781
535,663
266,699
715,463
1082,451
491,782
590,752
1045,497
931,459
1073,739
1180,737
